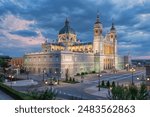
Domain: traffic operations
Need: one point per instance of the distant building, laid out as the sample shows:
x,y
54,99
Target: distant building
x,y
148,71
69,56
17,62
140,62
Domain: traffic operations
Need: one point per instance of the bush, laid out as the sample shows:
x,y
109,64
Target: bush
x,y
129,93
113,84
78,74
48,94
103,83
73,80
70,79
108,84
85,73
82,73
93,72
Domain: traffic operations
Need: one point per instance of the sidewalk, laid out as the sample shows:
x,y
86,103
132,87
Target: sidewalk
x,y
21,83
94,91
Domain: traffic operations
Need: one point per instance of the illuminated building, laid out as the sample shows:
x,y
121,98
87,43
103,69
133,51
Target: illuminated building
x,y
68,56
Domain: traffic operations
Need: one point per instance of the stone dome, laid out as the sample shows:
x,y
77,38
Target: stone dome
x,y
67,29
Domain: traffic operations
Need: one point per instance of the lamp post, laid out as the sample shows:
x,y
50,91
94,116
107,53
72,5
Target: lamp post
x,y
127,67
27,72
11,77
59,77
132,70
44,71
99,76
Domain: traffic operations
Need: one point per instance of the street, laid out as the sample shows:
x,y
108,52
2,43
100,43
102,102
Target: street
x,y
84,90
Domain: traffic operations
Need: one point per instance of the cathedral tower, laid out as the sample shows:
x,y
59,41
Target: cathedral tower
x,y
113,37
97,35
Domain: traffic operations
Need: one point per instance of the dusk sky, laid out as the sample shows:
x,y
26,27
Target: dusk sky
x,y
25,24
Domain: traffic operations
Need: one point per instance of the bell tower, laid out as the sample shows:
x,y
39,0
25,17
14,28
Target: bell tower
x,y
97,35
113,37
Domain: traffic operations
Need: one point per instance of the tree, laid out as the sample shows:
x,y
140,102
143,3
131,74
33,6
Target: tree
x,y
113,84
129,93
103,83
119,93
143,93
133,91
3,64
70,79
73,80
48,94
108,84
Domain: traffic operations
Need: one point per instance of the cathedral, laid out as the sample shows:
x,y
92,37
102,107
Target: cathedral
x,y
69,56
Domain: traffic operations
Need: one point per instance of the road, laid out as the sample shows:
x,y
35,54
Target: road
x,y
77,90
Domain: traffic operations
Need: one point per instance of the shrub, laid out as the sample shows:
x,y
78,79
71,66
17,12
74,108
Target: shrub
x,y
14,94
108,84
73,80
70,79
103,83
78,74
48,94
93,72
82,73
113,84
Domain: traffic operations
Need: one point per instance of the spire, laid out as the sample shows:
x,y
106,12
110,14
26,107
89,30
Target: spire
x,y
66,22
97,18
112,27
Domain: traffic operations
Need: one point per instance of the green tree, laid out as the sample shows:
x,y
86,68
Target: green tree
x,y
108,84
143,93
73,80
113,84
103,83
3,64
119,93
48,94
133,91
70,79
82,73
129,93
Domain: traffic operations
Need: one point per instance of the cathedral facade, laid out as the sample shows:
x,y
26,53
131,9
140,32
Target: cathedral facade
x,y
69,56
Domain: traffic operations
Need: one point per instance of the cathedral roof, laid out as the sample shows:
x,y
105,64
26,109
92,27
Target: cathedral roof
x,y
67,29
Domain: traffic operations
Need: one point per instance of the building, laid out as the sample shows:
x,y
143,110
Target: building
x,y
69,56
17,62
140,62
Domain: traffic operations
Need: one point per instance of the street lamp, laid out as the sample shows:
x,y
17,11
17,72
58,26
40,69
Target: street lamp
x,y
11,77
44,71
127,67
27,72
99,76
132,70
59,77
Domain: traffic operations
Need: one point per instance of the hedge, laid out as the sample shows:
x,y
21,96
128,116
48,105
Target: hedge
x,y
14,94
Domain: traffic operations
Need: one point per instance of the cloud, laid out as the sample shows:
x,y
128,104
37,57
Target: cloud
x,y
25,24
11,22
14,31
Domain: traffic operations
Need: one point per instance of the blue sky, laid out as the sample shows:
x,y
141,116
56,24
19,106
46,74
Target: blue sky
x,y
25,24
